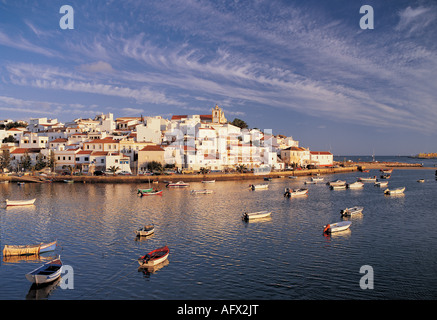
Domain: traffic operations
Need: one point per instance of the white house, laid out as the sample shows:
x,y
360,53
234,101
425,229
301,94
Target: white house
x,y
321,158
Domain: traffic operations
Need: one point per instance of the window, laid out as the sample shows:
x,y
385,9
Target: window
x,y
86,158
102,160
59,158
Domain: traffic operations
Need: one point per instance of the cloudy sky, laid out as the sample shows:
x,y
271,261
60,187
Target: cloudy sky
x,y
301,68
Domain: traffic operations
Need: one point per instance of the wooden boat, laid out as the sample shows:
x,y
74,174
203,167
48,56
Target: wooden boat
x,y
336,183
259,186
355,185
204,191
256,215
381,184
151,193
154,257
146,230
208,181
69,181
339,187
295,192
385,176
46,273
351,211
394,191
18,250
421,180
11,203
145,190
316,179
292,177
179,184
386,170
336,227
367,179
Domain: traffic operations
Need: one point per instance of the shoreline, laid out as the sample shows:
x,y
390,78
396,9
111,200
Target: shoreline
x,y
355,167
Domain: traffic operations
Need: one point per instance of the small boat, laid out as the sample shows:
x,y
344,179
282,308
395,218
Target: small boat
x,y
421,180
259,186
292,177
367,179
316,179
151,193
386,170
145,231
10,203
355,185
336,227
179,184
256,215
295,192
340,187
385,176
145,190
336,183
154,257
267,179
394,191
351,211
381,183
204,191
18,250
69,181
46,273
208,181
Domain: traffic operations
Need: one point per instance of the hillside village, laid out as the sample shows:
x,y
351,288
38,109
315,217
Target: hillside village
x,y
129,145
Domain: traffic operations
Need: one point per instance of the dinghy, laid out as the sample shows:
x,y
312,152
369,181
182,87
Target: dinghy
x,y
381,184
394,191
259,186
355,185
256,215
204,191
154,257
179,184
24,250
46,273
295,192
351,211
147,230
336,227
11,203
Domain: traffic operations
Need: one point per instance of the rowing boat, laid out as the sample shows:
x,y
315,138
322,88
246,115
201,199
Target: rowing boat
x,y
295,192
351,211
46,273
355,185
204,191
21,250
256,215
145,231
394,191
10,203
154,257
336,227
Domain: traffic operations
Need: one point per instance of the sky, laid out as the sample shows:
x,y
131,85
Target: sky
x,y
304,69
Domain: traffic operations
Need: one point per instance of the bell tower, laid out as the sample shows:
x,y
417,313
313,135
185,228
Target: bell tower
x,y
218,116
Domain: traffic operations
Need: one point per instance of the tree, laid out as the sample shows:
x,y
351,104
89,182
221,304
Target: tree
x,y
113,169
155,166
25,161
9,139
40,162
5,160
241,168
239,123
51,162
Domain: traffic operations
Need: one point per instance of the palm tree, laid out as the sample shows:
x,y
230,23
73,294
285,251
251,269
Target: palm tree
x,y
113,169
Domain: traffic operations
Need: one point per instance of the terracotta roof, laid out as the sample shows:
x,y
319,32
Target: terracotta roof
x,y
152,148
23,150
320,152
59,140
179,117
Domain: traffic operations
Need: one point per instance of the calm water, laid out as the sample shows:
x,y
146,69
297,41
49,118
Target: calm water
x,y
215,255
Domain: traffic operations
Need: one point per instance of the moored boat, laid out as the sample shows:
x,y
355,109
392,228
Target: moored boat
x,y
11,203
179,184
421,180
295,192
204,191
336,227
259,186
317,179
385,176
145,230
154,257
355,185
351,211
145,190
336,183
394,191
367,179
19,250
208,181
386,170
256,215
338,187
46,273
151,193
381,183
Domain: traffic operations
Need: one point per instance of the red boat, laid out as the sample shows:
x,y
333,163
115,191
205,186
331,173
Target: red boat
x,y
154,257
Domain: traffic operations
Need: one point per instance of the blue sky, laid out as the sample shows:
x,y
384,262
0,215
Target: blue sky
x,y
301,68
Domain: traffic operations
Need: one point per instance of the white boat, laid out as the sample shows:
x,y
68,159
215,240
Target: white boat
x,y
145,231
394,191
355,185
204,191
46,273
179,184
339,187
154,257
259,186
336,183
381,184
316,179
421,180
351,211
367,179
208,181
336,227
256,215
295,192
10,203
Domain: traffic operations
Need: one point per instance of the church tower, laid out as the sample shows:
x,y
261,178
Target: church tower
x,y
218,117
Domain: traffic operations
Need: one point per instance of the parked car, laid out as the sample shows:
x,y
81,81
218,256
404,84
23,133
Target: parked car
x,y
99,173
124,173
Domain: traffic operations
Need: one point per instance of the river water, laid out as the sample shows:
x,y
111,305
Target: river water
x,y
216,255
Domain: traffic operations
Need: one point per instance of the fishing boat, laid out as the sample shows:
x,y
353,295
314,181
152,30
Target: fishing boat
x,y
154,257
208,181
46,273
336,183
385,176
367,179
338,187
145,190
316,179
179,184
69,181
381,184
256,215
394,191
355,185
336,227
11,203
204,191
295,192
351,211
292,177
259,186
20,250
386,170
421,180
151,193
147,230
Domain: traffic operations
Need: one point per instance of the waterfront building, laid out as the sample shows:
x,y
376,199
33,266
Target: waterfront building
x,y
148,154
321,158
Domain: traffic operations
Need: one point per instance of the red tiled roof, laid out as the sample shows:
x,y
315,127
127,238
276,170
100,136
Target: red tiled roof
x,y
152,148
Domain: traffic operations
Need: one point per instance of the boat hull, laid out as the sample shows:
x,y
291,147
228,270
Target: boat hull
x,y
156,257
46,273
12,203
17,250
256,215
337,227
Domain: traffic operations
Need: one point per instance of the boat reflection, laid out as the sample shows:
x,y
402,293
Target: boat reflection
x,y
43,257
42,292
339,234
147,271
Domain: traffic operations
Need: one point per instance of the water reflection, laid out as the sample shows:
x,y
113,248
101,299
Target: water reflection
x,y
148,271
42,292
